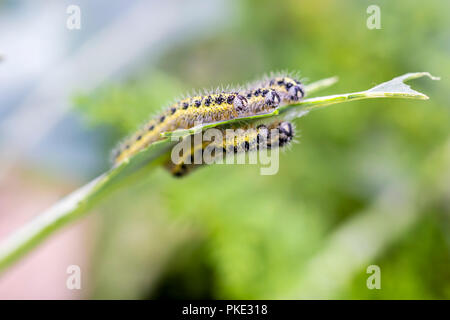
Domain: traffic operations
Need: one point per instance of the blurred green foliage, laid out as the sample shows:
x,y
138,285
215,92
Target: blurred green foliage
x,y
228,232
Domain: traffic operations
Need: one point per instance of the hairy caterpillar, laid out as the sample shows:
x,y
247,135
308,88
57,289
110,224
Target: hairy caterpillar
x,y
258,98
248,138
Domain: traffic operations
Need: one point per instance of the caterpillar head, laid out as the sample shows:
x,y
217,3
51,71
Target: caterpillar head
x,y
286,133
289,90
283,136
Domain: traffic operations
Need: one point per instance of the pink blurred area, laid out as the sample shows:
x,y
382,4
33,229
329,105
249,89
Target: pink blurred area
x,y
42,273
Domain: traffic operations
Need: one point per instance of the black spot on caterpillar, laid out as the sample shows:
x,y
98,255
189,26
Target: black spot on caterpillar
x,y
261,97
247,139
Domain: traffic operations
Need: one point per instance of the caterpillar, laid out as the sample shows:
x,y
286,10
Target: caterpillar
x,y
248,138
258,98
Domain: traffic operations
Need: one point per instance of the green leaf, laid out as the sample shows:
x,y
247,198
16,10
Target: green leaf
x,y
80,201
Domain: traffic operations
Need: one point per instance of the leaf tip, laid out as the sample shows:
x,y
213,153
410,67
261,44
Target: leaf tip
x,y
432,77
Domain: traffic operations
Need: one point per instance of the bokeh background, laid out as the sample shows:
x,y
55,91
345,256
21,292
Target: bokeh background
x,y
368,183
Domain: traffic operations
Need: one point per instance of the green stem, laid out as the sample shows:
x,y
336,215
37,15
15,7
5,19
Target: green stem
x,y
76,205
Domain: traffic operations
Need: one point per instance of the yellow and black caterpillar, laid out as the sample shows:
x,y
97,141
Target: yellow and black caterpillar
x,y
261,97
246,139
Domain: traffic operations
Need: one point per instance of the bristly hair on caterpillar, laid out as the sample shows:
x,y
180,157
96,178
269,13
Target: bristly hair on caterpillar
x,y
258,98
245,139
